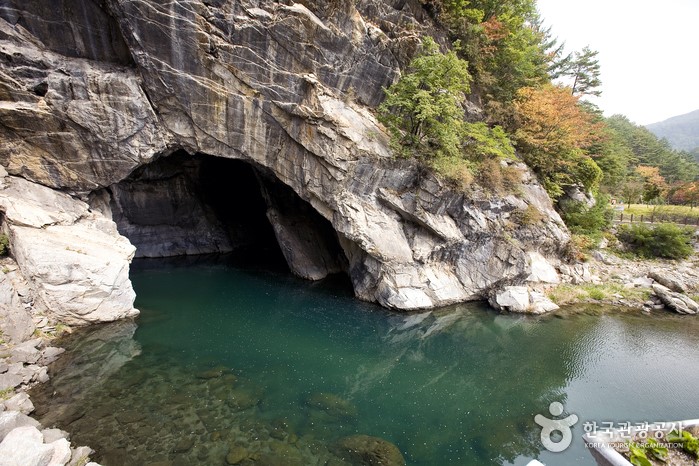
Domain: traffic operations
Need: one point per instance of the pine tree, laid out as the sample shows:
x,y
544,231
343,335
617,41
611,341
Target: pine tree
x,y
585,72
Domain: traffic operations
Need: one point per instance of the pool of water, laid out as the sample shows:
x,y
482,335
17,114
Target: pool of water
x,y
271,369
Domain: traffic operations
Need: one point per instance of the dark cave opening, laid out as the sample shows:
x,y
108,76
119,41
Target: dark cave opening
x,y
230,188
187,205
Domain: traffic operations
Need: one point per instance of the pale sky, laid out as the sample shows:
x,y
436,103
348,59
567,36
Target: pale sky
x,y
648,52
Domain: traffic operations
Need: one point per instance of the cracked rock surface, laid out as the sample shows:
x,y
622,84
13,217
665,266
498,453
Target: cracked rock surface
x,y
288,87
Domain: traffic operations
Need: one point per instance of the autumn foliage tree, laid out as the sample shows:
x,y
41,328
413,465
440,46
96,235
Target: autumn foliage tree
x,y
685,194
655,185
553,132
504,43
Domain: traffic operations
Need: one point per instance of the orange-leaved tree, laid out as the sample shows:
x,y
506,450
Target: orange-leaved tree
x,y
655,185
554,134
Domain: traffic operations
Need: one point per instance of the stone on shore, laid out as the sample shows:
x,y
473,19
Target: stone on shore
x,y
20,402
676,301
26,352
50,354
10,420
521,299
51,435
8,380
669,280
25,446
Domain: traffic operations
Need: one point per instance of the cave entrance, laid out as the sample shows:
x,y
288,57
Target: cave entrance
x,y
185,205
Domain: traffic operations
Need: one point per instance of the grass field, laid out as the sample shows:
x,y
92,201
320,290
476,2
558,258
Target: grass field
x,y
674,212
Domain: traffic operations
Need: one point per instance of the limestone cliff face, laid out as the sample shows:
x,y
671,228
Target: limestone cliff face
x,y
74,259
93,90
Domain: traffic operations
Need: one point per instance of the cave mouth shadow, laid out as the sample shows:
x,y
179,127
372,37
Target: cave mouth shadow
x,y
185,207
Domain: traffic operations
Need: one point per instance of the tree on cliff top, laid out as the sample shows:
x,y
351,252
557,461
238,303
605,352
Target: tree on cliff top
x,y
425,117
423,111
553,131
583,69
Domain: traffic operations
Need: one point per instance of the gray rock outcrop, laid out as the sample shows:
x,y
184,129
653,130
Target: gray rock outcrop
x,y
669,280
678,302
74,259
521,299
286,87
16,301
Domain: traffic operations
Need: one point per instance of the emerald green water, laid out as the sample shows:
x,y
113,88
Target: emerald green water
x,y
297,366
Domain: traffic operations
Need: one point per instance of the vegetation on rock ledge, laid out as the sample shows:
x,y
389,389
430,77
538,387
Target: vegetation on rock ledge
x,y
424,114
532,96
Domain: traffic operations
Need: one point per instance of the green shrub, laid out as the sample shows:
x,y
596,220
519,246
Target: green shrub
x,y
4,244
596,293
482,142
665,240
424,115
529,216
578,247
584,220
456,170
423,110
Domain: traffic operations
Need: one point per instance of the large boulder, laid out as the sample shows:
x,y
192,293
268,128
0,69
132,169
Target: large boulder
x,y
669,280
10,420
26,446
75,260
521,299
678,302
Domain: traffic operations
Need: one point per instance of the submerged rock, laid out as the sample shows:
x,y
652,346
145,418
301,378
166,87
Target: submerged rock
x,y
212,373
128,417
183,445
236,454
240,399
370,451
332,404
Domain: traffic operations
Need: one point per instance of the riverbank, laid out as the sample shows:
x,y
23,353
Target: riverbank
x,y
23,440
649,285
26,351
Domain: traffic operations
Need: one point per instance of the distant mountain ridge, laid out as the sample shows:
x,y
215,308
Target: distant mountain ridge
x,y
682,131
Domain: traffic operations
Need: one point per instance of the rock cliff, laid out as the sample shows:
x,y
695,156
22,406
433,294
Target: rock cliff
x,y
97,95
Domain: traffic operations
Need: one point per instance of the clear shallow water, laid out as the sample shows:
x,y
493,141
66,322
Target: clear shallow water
x,y
281,369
